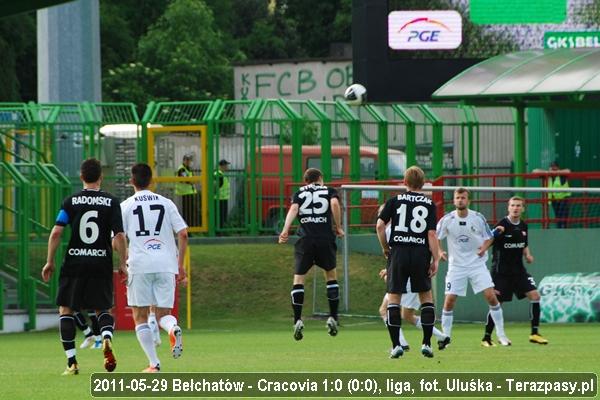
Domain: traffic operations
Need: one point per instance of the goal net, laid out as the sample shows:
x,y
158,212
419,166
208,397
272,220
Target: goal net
x,y
562,240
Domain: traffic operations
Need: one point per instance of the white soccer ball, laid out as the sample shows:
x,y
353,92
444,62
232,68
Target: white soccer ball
x,y
355,94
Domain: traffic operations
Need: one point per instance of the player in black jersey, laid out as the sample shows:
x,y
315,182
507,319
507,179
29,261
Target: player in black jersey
x,y
508,272
315,205
414,255
85,280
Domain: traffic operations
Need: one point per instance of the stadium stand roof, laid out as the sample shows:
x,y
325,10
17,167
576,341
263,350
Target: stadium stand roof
x,y
529,78
11,7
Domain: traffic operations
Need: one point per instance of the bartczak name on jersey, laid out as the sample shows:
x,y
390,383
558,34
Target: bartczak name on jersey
x,y
314,211
412,215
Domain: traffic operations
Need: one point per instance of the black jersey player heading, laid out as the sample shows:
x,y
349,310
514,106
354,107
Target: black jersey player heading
x,y
318,209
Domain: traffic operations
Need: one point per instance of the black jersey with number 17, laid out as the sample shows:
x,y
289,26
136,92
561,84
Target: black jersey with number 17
x,y
93,216
412,216
314,211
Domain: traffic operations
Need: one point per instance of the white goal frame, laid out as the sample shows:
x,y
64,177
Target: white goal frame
x,y
344,197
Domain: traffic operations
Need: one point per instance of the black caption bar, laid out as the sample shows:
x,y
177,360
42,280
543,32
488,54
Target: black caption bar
x,y
344,384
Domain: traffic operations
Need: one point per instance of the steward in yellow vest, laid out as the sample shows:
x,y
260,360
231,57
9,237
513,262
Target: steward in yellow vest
x,y
223,191
557,179
189,206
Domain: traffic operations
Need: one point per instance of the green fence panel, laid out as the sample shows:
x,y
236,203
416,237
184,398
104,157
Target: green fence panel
x,y
1,304
21,136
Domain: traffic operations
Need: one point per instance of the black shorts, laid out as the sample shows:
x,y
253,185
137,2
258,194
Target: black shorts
x,y
409,262
309,251
85,293
518,284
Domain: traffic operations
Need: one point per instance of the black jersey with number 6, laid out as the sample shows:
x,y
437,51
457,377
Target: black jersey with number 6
x,y
92,215
314,211
412,215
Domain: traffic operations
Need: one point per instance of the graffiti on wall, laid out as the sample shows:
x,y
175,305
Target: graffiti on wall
x,y
316,80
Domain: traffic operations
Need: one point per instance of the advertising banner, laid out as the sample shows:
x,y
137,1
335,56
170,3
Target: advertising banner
x,y
573,297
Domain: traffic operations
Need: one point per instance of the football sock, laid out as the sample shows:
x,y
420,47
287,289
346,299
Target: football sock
x,y
439,335
107,324
489,326
427,321
153,324
144,336
498,317
447,317
81,324
403,341
94,320
333,295
534,315
67,337
297,301
394,323
167,322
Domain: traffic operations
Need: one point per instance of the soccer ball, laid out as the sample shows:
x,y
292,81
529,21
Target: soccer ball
x,y
355,94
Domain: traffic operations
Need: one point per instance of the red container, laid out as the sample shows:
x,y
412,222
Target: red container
x,y
122,313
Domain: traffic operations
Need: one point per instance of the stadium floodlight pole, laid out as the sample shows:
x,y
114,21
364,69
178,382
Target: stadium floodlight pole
x,y
345,251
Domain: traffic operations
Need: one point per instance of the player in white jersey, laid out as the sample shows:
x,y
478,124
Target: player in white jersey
x,y
155,261
468,235
409,302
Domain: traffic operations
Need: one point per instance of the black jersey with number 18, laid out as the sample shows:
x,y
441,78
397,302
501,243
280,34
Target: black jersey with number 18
x,y
412,215
92,215
314,211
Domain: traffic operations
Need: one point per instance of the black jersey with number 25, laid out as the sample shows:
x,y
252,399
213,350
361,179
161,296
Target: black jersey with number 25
x,y
412,215
314,211
93,215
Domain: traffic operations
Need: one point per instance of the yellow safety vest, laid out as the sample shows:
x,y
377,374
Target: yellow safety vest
x,y
182,188
224,191
554,182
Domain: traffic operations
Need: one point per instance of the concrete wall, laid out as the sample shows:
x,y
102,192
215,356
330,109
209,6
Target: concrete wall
x,y
316,80
68,43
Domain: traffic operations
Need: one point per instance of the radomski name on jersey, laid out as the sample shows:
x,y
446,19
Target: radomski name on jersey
x,y
88,252
146,197
92,200
414,198
408,239
315,220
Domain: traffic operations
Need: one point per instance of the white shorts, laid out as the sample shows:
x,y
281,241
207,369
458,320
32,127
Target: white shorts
x,y
457,279
153,289
408,300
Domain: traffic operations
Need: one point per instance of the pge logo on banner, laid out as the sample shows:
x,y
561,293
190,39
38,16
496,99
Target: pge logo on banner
x,y
424,30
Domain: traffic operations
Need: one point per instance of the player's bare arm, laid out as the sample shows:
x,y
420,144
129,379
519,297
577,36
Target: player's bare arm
x,y
53,243
120,245
385,248
434,247
528,257
182,244
443,255
383,273
484,247
289,219
336,210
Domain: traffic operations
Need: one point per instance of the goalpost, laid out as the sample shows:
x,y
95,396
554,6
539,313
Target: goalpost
x,y
359,205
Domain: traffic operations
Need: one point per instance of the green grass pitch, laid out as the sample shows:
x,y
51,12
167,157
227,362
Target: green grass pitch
x,y
242,322
32,362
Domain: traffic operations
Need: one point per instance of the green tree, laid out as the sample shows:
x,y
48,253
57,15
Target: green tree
x,y
188,51
315,23
18,81
130,82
